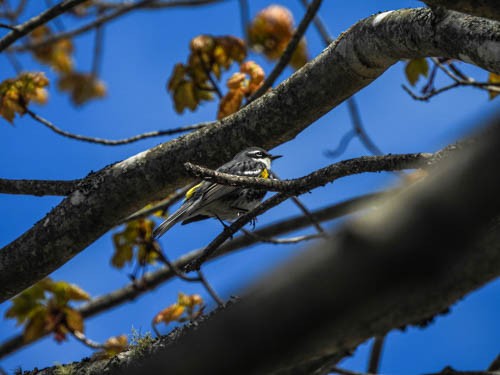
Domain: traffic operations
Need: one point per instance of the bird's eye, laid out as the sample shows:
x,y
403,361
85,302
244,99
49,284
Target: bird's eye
x,y
259,155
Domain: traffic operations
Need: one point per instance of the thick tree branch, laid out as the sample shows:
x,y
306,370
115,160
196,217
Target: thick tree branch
x,y
152,280
352,62
33,23
481,8
37,187
389,269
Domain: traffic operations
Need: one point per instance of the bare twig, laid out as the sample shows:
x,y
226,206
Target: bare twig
x,y
105,5
209,288
359,129
352,106
208,73
114,142
86,341
162,205
304,210
459,80
321,176
281,241
200,278
152,280
98,44
120,10
40,19
290,49
342,146
244,18
37,187
375,355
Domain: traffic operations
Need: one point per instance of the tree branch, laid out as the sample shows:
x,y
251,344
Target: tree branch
x,y
33,23
481,8
120,10
151,280
387,270
38,187
352,62
317,178
285,58
114,142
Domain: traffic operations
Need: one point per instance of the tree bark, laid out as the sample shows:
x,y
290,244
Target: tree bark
x,y
350,63
480,8
400,265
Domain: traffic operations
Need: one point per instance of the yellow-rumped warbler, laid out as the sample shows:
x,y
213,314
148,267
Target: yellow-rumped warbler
x,y
208,199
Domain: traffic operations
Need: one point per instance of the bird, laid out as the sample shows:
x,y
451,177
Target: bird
x,y
225,203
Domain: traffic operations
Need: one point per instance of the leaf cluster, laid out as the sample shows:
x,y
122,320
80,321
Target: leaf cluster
x,y
241,85
58,54
187,308
190,83
270,32
17,93
44,308
136,237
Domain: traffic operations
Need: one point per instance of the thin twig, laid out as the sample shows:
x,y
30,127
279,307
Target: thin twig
x,y
14,62
304,210
57,21
208,73
282,241
344,142
352,106
210,289
320,26
244,18
86,341
290,49
40,19
359,129
121,10
115,142
459,80
98,47
200,278
162,205
8,27
376,355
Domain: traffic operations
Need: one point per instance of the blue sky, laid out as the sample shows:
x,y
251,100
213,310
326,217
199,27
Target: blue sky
x,y
140,51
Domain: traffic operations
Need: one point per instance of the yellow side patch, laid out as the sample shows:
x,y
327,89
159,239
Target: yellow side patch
x,y
191,191
264,173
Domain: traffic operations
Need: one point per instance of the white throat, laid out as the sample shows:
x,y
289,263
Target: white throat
x,y
267,162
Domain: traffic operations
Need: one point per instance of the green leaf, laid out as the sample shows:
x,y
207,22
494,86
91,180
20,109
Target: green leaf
x,y
494,78
416,68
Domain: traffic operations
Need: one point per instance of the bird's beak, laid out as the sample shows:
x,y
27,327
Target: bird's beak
x,y
274,157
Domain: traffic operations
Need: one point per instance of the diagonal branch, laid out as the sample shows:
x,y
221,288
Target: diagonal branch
x,y
33,23
387,270
352,62
285,58
152,280
120,10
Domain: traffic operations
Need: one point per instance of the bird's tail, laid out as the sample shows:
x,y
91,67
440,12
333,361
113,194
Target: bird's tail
x,y
169,222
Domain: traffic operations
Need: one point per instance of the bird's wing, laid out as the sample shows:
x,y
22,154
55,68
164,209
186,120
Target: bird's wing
x,y
206,192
